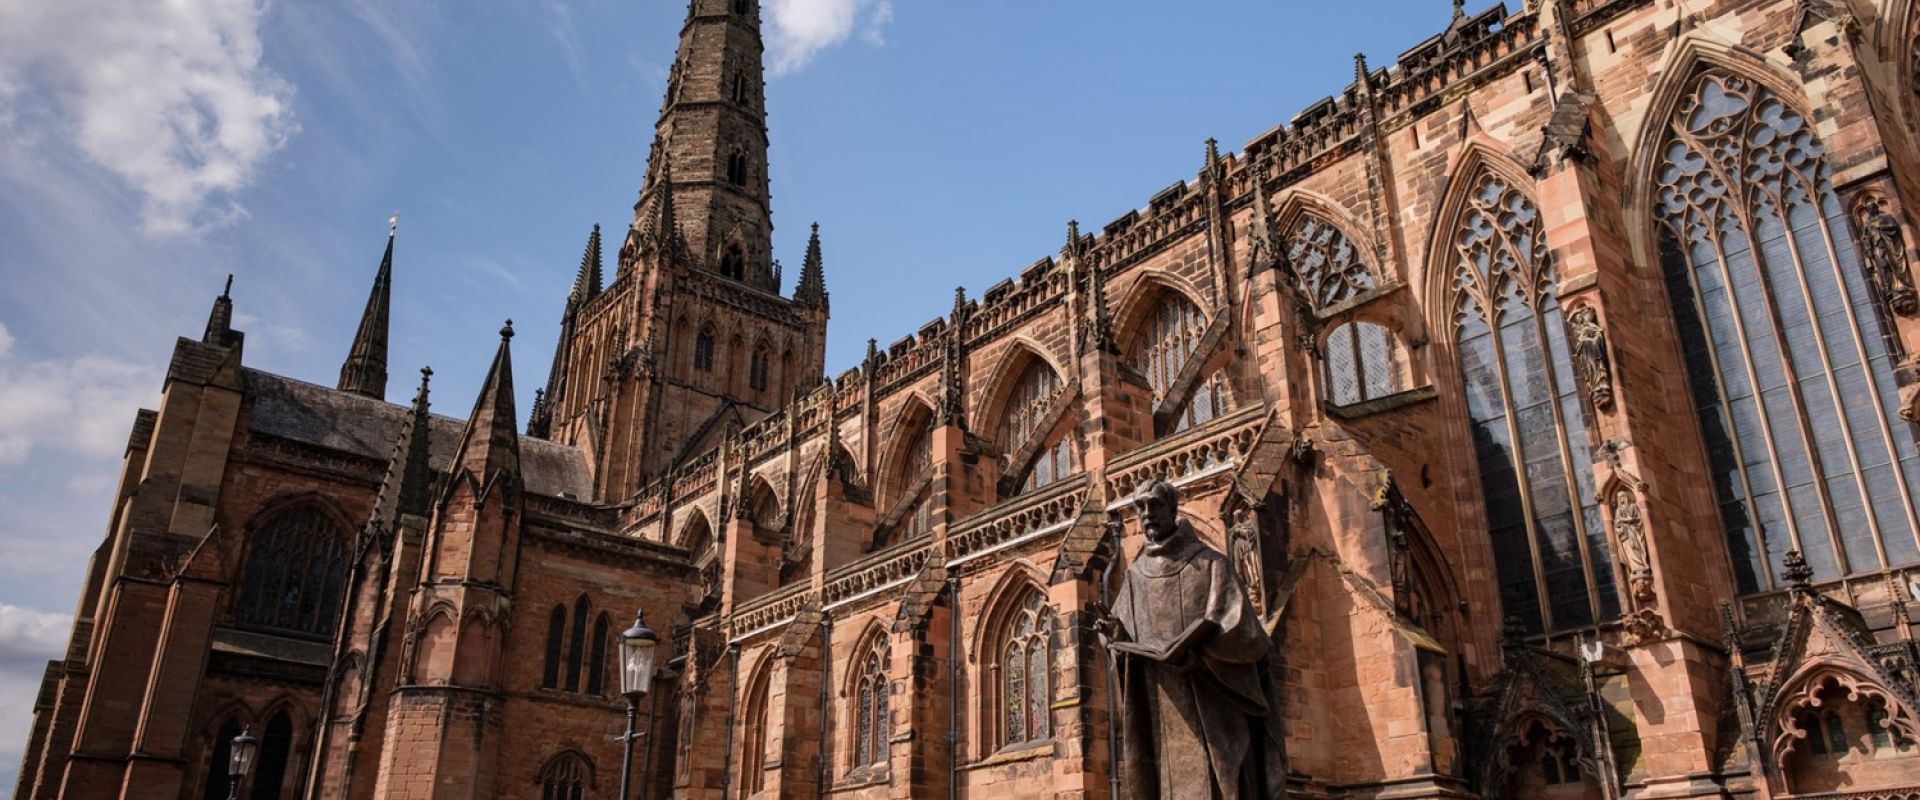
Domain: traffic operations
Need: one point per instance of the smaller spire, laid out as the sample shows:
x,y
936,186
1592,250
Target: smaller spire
x,y
812,289
959,313
490,444
405,489
1211,169
220,320
365,370
1099,321
1071,251
872,360
1361,73
589,281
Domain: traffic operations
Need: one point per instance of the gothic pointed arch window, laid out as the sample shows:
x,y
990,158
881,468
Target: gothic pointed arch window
x,y
576,652
1529,427
556,640
219,755
1789,366
733,263
757,368
566,776
703,350
1328,269
1168,338
916,468
597,662
1020,695
872,723
753,757
1026,416
296,574
737,168
270,762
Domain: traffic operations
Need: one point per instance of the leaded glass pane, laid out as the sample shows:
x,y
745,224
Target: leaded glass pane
x,y
1755,245
1328,269
295,574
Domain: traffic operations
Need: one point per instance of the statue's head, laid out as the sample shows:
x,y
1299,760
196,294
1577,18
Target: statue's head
x,y
1158,505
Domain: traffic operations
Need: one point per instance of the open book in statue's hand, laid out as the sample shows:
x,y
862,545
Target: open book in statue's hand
x,y
1176,649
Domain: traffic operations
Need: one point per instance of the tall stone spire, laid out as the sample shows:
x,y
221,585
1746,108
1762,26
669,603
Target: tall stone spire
x,y
591,278
365,370
812,289
586,286
405,488
713,131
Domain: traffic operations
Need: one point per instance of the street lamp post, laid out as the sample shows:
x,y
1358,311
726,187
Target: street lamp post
x,y
240,760
637,647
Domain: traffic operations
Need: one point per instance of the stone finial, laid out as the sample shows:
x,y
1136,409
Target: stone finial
x,y
1795,569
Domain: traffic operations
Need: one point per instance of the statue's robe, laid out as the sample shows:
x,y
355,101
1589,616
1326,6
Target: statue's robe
x,y
1198,725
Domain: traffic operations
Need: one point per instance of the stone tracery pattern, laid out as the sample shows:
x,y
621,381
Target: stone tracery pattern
x,y
1529,429
1328,268
1795,392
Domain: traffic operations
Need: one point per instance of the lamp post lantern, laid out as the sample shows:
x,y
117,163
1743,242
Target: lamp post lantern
x,y
240,760
638,646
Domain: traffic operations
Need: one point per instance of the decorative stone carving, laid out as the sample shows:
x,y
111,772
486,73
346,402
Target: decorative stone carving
x,y
1628,530
1590,358
1884,248
1196,698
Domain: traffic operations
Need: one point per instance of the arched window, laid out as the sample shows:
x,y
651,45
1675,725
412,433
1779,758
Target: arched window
x,y
733,263
1327,268
917,466
576,652
1545,763
219,754
1789,368
1023,694
703,350
566,777
757,369
1529,428
597,662
556,638
296,574
740,88
696,535
270,761
753,758
737,168
872,726
765,507
1161,350
1361,363
1024,415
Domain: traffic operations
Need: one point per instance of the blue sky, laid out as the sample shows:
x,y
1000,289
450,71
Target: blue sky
x,y
148,149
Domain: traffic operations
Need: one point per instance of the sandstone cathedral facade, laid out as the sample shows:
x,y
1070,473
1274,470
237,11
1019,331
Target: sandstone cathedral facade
x,y
1553,390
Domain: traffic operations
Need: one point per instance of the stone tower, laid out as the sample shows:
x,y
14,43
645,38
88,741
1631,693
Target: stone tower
x,y
692,339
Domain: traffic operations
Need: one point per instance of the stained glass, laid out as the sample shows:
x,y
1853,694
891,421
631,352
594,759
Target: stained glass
x,y
295,574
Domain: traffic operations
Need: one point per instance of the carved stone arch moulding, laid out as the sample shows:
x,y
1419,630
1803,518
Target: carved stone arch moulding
x,y
1332,259
1519,731
1019,354
1804,692
1019,577
1477,160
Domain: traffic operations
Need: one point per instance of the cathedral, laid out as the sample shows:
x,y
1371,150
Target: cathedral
x,y
1554,392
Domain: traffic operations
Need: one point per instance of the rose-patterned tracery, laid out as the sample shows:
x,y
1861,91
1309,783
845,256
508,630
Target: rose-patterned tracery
x,y
1790,374
1528,423
1328,269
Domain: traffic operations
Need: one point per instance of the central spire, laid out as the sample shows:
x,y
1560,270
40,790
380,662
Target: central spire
x,y
713,131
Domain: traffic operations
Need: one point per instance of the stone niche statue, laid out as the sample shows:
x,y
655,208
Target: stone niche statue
x,y
1198,711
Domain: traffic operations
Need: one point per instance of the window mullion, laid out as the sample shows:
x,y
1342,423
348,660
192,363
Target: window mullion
x,y
1577,509
1519,463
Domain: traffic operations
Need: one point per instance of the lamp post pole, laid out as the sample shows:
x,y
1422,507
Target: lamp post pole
x,y
638,646
240,760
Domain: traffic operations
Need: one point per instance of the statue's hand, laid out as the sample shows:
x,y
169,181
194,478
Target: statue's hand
x,y
1101,620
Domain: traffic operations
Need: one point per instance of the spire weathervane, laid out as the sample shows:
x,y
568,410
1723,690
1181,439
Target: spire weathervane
x,y
393,223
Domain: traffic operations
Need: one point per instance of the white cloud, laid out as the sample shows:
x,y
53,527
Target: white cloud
x,y
169,97
800,29
83,405
28,639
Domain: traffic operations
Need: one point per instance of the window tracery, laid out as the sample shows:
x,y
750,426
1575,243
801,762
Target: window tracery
x,y
1028,408
1024,691
1328,268
703,350
565,777
1528,424
295,575
757,370
1790,373
872,725
1170,337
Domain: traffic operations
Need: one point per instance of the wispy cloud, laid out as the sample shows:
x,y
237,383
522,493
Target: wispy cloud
x,y
28,639
799,29
82,405
559,22
171,98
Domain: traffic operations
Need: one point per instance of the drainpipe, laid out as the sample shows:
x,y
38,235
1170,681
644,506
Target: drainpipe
x,y
826,698
1114,531
953,684
733,697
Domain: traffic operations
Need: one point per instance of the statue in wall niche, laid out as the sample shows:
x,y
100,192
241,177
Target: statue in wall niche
x,y
1884,247
1627,530
1198,713
1590,355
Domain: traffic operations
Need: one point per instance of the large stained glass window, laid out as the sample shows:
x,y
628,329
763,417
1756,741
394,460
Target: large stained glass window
x,y
1026,411
296,574
1025,690
1529,428
872,726
1171,336
1790,373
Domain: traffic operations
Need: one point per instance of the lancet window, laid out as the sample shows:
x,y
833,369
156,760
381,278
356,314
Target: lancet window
x,y
1170,336
872,725
1027,410
565,777
296,574
703,350
1789,368
1529,428
1024,692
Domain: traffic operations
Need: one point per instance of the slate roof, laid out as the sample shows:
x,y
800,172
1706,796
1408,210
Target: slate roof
x,y
351,423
